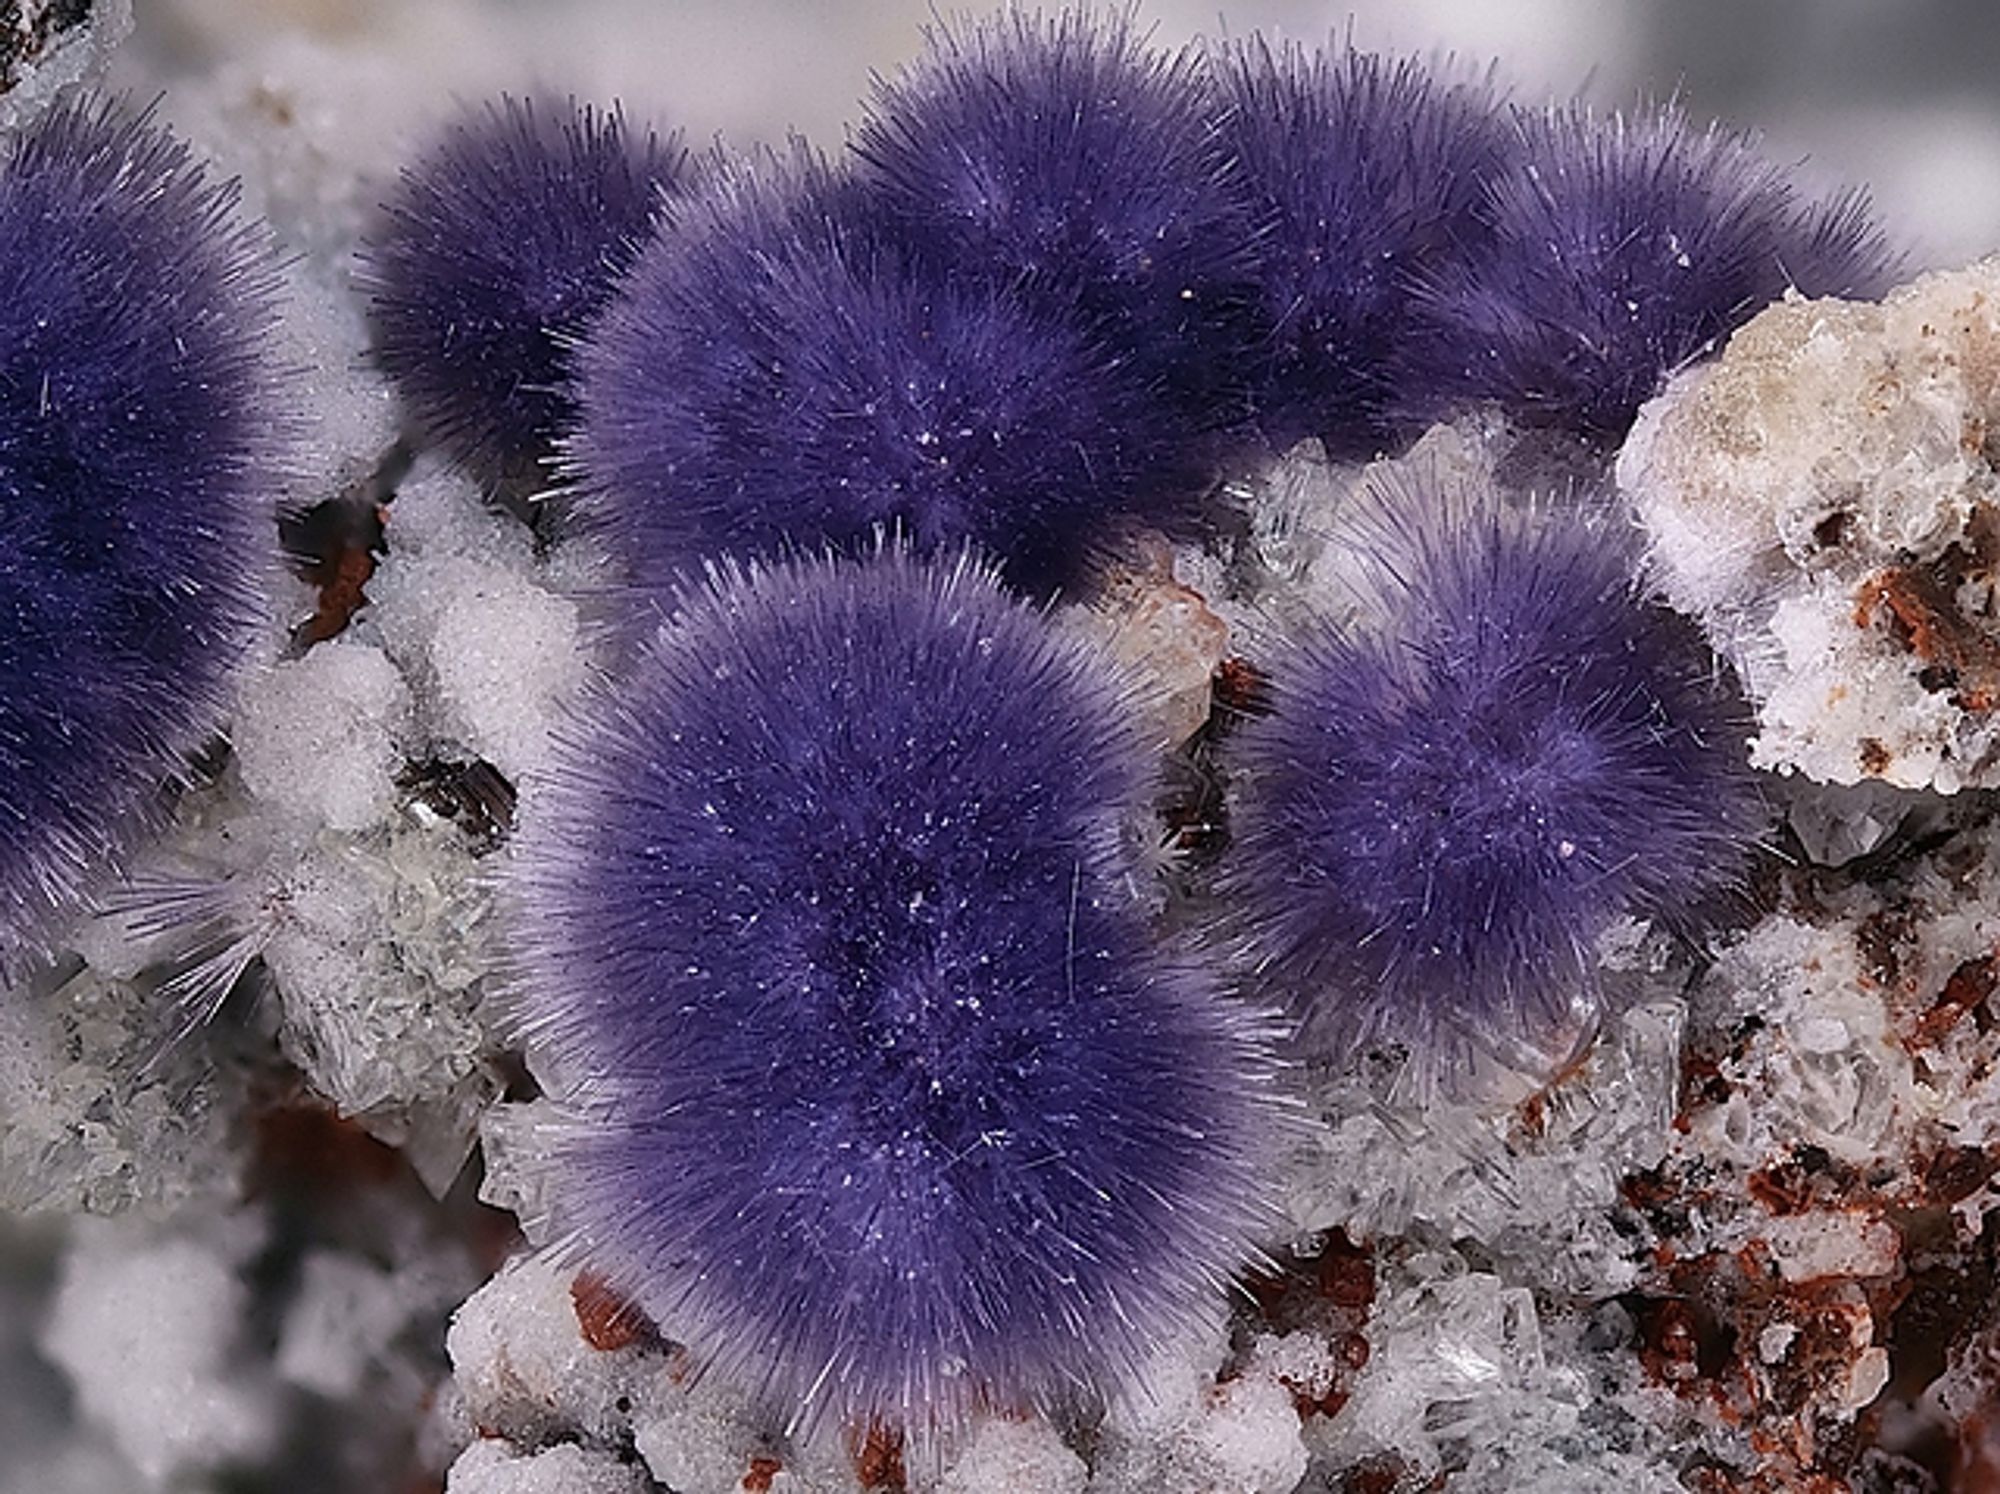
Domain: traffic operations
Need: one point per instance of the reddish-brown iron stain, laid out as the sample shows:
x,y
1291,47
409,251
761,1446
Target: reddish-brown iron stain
x,y
878,1462
609,1320
1924,618
1965,990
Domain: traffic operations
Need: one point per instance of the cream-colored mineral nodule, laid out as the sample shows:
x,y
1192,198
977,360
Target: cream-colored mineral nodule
x,y
1823,499
1161,629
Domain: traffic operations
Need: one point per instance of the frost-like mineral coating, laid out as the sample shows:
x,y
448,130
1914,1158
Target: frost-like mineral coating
x,y
1442,816
778,373
1617,250
1822,499
495,248
886,1098
137,412
1360,172
1059,158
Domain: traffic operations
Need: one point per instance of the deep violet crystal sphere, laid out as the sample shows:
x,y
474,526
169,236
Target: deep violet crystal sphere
x,y
1061,158
1360,171
776,373
1614,252
494,250
1451,801
138,405
886,1097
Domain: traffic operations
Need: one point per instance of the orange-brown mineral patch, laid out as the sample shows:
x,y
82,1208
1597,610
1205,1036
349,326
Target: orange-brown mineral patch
x,y
608,1320
878,1461
1925,616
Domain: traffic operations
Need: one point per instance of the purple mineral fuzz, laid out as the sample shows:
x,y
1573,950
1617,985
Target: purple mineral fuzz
x,y
886,1096
1060,159
1615,251
1448,806
777,372
138,405
1360,172
494,250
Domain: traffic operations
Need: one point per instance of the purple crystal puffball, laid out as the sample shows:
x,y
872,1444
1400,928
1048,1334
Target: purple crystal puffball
x,y
1616,251
774,373
496,248
137,401
1359,171
1446,808
886,1098
1060,159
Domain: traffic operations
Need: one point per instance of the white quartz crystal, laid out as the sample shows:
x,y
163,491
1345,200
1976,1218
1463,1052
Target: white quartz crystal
x,y
494,1468
324,734
482,628
105,1109
1023,1455
525,1369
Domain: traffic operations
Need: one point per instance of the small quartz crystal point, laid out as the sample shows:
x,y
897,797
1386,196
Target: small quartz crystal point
x,y
1450,801
493,252
885,1096
781,371
142,421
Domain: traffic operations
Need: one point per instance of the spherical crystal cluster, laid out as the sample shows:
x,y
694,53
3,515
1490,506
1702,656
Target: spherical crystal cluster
x,y
1361,173
1445,810
886,1081
896,1104
1605,254
784,368
1063,161
886,1086
494,252
138,404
